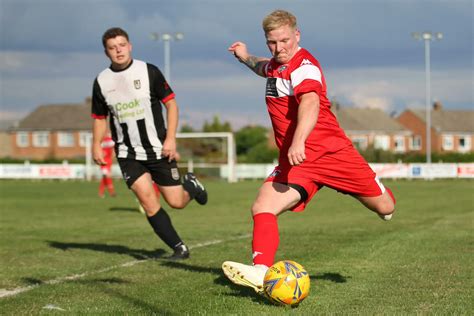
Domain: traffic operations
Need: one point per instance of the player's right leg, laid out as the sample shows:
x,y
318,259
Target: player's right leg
x,y
273,199
139,180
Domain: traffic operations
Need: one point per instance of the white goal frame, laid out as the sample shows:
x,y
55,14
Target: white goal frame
x,y
231,150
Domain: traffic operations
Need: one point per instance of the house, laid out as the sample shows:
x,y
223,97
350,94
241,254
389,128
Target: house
x,y
5,139
451,130
373,127
59,131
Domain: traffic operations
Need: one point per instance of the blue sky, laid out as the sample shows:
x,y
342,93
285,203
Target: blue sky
x,y
51,51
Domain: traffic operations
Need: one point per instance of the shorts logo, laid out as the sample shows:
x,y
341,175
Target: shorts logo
x,y
175,173
274,173
137,84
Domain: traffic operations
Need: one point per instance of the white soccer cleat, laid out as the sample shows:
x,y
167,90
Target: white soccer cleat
x,y
386,217
246,275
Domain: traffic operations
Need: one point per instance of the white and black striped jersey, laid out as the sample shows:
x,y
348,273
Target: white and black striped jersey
x,y
133,97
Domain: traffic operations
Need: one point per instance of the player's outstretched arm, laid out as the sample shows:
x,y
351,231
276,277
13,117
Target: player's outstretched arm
x,y
256,64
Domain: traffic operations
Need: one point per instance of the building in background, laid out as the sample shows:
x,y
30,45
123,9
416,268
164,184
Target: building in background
x,y
451,131
373,127
58,131
5,139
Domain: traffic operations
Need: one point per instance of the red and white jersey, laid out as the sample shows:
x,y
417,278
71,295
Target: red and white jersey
x,y
286,83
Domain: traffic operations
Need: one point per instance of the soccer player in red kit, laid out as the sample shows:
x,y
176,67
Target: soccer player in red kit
x,y
314,150
106,169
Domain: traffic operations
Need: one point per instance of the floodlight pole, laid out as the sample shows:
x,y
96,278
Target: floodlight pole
x,y
428,37
167,38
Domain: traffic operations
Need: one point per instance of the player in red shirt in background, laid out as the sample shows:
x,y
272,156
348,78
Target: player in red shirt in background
x,y
106,181
314,150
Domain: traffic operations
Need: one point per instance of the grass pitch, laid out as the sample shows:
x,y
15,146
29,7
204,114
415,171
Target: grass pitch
x,y
63,249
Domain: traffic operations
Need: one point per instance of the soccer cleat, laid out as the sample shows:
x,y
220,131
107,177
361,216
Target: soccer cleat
x,y
180,253
246,275
191,183
386,217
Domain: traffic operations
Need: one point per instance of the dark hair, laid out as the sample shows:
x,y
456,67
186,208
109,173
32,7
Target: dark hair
x,y
112,33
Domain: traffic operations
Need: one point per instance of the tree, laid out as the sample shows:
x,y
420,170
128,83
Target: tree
x,y
250,136
216,126
185,128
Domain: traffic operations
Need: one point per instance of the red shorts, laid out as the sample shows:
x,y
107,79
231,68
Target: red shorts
x,y
345,171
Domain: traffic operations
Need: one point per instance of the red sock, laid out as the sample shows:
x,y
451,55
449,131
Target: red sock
x,y
102,186
110,186
391,195
265,238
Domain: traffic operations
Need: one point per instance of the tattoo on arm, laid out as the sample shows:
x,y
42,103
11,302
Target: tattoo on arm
x,y
256,64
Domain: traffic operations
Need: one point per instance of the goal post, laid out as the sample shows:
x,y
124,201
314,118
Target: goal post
x,y
231,149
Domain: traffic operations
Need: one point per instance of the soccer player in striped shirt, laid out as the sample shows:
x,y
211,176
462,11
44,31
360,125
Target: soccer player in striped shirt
x,y
132,93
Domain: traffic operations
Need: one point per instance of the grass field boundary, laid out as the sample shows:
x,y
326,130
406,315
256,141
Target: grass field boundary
x,y
16,291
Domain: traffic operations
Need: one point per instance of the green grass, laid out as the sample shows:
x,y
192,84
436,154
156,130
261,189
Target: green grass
x,y
419,263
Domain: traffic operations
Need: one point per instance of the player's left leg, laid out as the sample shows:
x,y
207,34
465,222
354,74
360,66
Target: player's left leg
x,y
383,205
102,185
110,186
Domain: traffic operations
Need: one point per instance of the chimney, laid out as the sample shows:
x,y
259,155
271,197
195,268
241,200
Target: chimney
x,y
437,106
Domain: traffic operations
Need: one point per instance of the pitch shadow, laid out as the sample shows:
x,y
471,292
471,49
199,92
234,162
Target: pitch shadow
x,y
123,209
330,276
139,254
237,291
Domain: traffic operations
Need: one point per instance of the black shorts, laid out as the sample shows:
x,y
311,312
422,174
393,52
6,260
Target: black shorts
x,y
162,172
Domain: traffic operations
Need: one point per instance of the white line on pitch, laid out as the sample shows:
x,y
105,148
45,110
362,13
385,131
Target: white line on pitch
x,y
6,293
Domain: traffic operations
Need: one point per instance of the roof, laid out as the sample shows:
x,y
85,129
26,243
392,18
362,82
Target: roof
x,y
366,119
449,121
58,117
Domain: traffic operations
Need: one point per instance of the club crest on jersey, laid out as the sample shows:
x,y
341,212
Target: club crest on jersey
x,y
175,173
282,68
137,84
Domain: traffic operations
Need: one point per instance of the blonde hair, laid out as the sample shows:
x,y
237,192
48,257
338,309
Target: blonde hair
x,y
277,19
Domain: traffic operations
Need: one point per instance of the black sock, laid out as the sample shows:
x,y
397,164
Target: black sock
x,y
161,223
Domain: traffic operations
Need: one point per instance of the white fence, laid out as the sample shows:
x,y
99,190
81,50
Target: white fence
x,y
242,171
383,170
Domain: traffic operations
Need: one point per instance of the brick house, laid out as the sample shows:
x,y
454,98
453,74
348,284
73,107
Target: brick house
x,y
5,139
373,127
451,131
53,132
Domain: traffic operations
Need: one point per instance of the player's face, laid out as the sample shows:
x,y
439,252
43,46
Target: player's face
x,y
283,43
119,51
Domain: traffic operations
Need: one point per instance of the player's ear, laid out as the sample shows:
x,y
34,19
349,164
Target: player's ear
x,y
106,53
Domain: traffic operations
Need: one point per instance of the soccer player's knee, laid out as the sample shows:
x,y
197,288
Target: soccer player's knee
x,y
256,208
386,207
176,203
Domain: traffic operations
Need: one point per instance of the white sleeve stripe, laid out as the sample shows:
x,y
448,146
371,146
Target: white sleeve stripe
x,y
305,72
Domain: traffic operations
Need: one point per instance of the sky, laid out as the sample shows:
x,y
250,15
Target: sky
x,y
51,52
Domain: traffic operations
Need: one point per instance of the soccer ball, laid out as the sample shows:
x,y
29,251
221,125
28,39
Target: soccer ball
x,y
286,283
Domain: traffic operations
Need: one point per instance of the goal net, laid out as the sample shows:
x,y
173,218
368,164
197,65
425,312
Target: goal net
x,y
210,154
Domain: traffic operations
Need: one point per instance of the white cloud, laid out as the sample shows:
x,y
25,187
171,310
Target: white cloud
x,y
392,88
